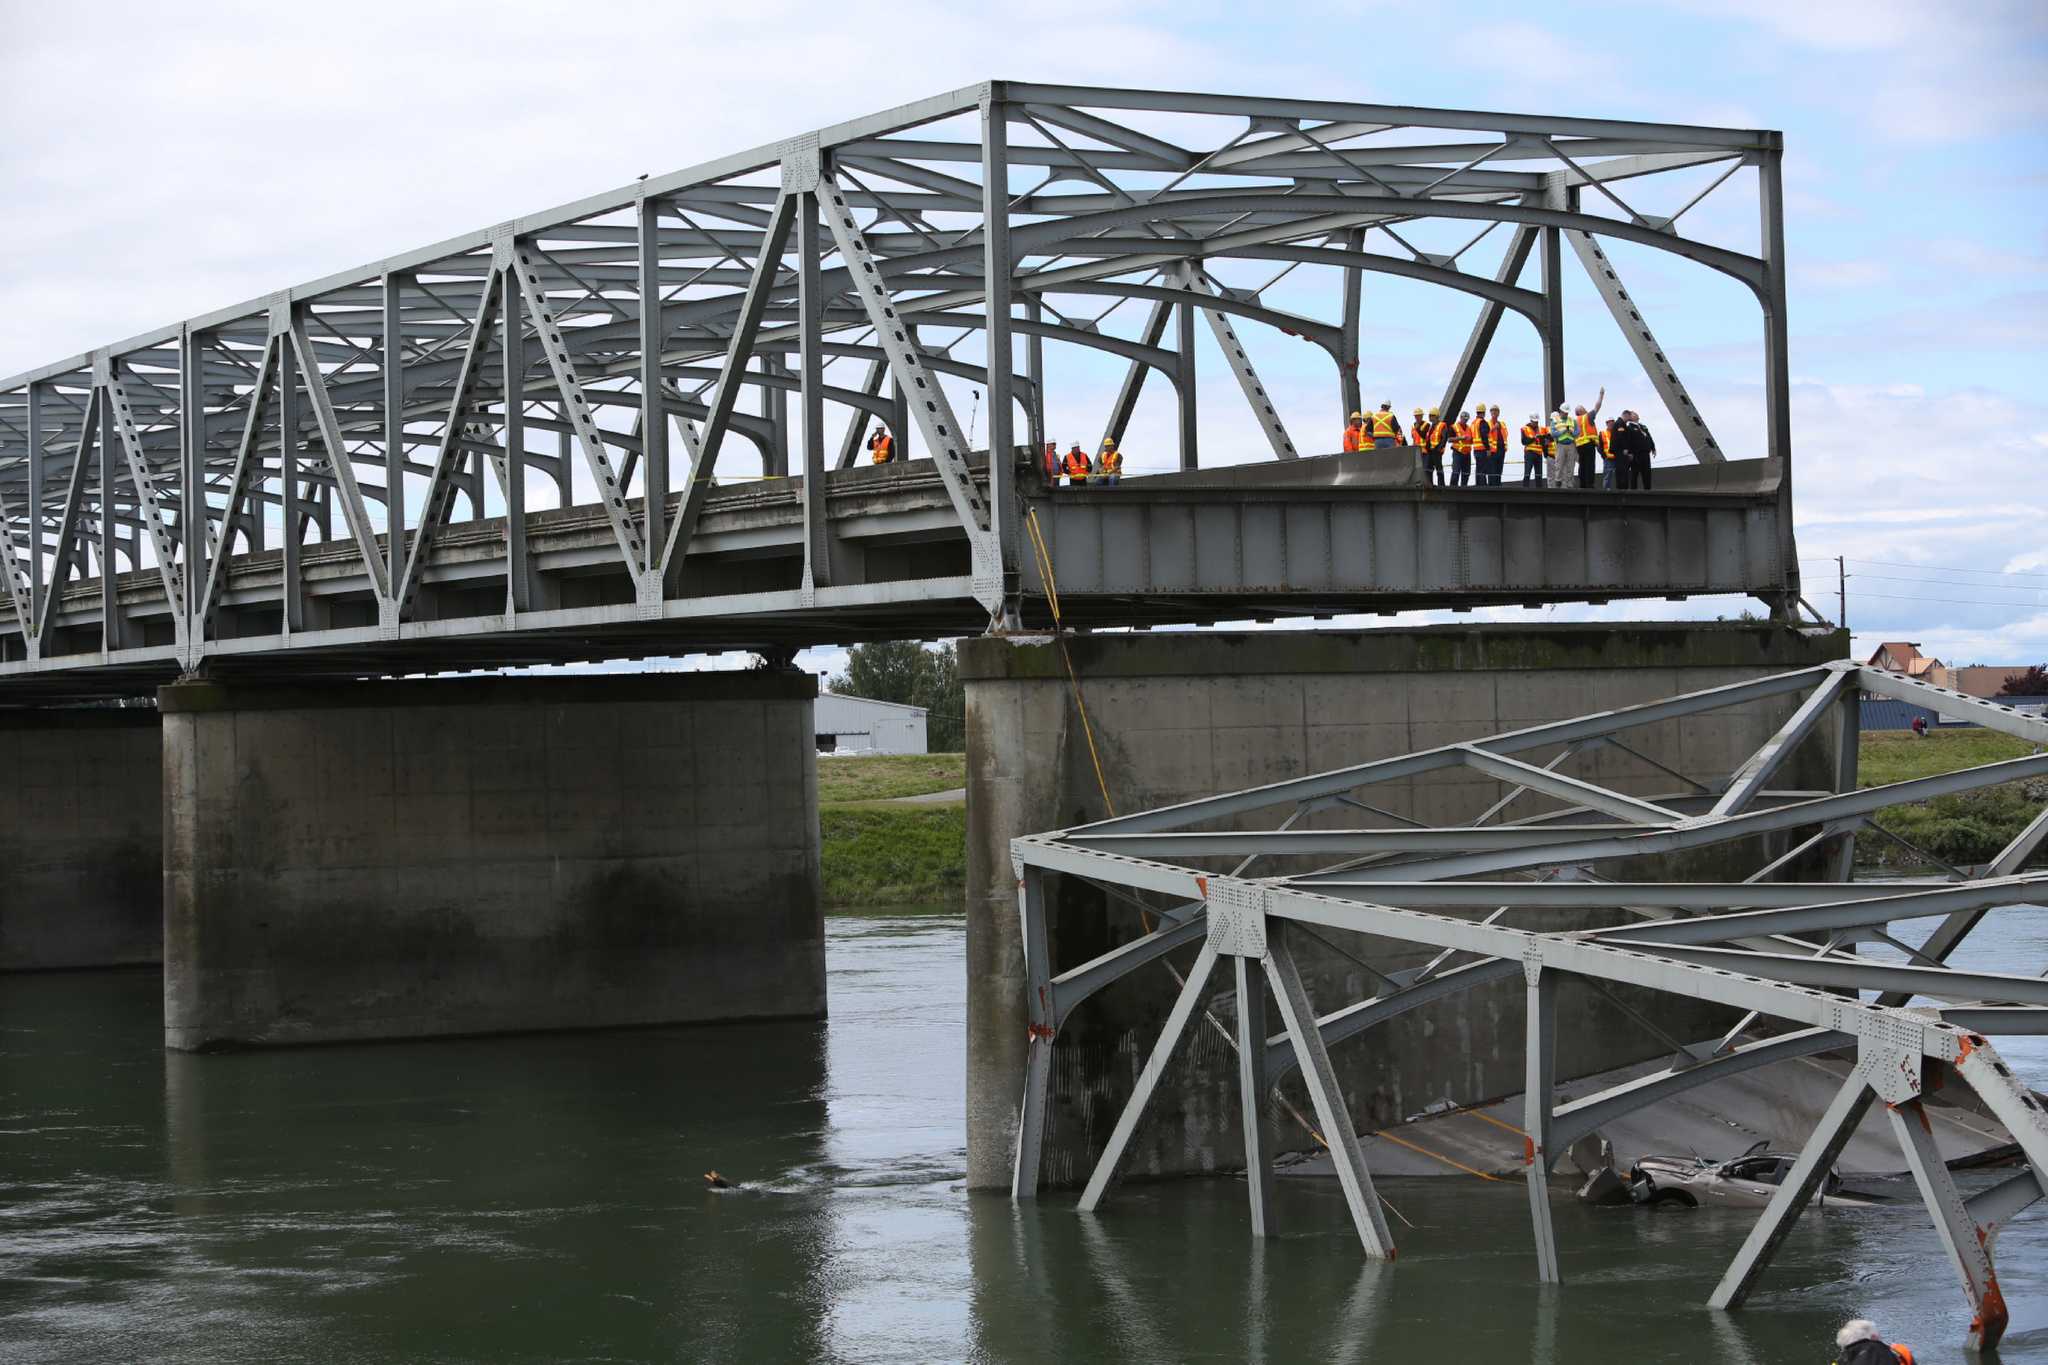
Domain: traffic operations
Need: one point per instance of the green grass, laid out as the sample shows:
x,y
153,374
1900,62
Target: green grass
x,y
879,854
877,777
1965,829
1887,756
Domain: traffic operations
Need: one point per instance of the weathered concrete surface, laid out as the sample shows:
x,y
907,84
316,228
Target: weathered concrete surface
x,y
1179,716
408,859
81,838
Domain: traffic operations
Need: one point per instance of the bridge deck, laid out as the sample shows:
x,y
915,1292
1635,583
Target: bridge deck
x,y
1318,536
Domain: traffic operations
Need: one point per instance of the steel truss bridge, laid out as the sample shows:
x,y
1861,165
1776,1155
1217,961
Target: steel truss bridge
x,y
518,445
1783,952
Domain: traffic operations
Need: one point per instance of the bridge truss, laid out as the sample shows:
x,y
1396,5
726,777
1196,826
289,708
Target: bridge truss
x,y
519,444
1784,952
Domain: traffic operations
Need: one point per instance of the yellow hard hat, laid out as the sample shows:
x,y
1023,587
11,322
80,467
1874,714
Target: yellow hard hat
x,y
1418,412
1434,413
1109,443
1356,416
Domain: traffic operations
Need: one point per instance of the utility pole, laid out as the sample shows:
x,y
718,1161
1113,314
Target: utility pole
x,y
1841,592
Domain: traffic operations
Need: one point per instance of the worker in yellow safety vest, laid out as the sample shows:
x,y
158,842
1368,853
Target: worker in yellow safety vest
x,y
1354,432
1109,466
1384,427
1534,436
1429,439
1463,438
1586,437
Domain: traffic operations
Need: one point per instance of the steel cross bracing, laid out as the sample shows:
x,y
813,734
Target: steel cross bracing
x,y
525,443
1782,951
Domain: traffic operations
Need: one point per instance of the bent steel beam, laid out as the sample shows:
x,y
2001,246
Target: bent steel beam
x,y
1820,991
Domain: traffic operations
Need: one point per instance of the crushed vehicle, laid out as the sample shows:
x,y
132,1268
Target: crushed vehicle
x,y
1744,1182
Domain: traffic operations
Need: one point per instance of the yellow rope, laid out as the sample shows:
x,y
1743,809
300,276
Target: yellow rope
x,y
1052,597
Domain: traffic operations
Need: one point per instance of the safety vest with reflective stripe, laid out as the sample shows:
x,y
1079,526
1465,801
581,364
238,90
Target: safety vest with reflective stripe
x,y
1077,465
1112,462
1532,438
1463,438
1385,424
1353,433
1607,442
883,448
1588,432
1496,436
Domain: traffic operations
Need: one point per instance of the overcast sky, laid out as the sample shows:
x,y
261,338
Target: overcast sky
x,y
167,160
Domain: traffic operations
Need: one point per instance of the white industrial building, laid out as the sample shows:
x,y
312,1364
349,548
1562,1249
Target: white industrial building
x,y
861,725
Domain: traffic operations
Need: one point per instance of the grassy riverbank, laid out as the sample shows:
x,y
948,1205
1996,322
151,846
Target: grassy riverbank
x,y
879,849
1965,829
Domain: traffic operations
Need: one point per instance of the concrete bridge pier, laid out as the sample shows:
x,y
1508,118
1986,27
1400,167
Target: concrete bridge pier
x,y
420,858
1178,716
81,838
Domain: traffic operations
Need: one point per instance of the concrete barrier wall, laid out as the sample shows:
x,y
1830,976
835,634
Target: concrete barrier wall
x,y
81,838
1179,716
408,859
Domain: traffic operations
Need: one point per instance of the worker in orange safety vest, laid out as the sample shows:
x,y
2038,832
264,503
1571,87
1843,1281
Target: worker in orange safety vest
x,y
1464,438
1430,437
1354,432
881,446
1077,466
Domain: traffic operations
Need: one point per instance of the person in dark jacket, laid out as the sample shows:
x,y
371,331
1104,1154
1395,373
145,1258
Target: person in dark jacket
x,y
1633,446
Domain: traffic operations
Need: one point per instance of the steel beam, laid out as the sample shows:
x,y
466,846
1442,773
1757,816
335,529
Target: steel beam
x,y
1538,1087
1339,1134
1252,1089
1968,1253
1663,376
440,495
1148,1078
1044,1023
339,461
1490,313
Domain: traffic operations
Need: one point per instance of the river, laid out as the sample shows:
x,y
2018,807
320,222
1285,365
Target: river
x,y
542,1198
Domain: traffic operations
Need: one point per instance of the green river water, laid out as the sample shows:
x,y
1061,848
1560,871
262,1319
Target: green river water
x,y
541,1198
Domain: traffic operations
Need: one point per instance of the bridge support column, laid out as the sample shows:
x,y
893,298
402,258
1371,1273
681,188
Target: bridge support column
x,y
81,838
1177,716
422,858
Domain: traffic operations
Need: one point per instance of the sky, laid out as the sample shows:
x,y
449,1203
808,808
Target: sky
x,y
167,160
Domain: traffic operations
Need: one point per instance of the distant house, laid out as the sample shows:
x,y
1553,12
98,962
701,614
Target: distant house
x,y
1904,656
862,725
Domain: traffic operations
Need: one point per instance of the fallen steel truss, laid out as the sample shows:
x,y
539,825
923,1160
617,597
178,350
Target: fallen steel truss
x,y
1784,951
374,466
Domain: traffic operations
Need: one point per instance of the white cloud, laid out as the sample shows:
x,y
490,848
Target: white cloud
x,y
1930,73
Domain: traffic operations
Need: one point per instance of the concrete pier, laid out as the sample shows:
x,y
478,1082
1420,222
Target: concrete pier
x,y
1178,716
81,838
420,858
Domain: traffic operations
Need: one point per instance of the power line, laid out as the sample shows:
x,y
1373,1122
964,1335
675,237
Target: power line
x,y
1951,583
1940,568
1947,601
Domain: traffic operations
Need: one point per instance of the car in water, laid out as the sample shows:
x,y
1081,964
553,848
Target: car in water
x,y
1744,1182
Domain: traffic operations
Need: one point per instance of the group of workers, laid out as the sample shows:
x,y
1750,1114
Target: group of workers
x,y
1079,471
1562,452
1076,467
1566,451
